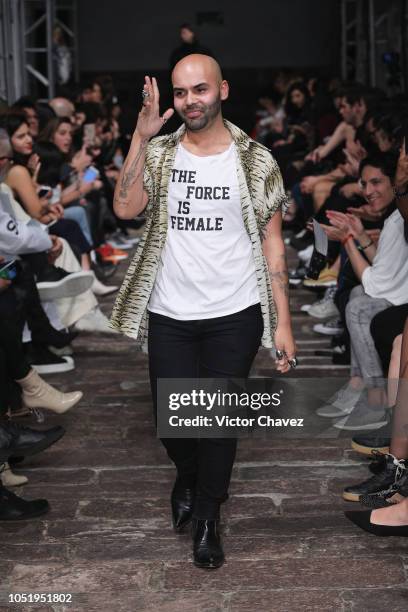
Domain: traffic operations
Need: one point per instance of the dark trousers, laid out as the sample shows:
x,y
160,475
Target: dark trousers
x,y
223,347
13,364
385,327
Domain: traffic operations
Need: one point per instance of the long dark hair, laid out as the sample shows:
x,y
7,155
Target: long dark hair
x,y
51,160
11,122
48,133
292,111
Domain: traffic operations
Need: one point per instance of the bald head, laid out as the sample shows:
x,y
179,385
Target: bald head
x,y
199,90
62,107
197,67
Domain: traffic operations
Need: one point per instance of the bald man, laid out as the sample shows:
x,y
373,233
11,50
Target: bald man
x,y
208,283
62,107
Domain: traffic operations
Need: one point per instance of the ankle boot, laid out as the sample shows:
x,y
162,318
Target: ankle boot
x,y
9,479
207,548
39,394
182,502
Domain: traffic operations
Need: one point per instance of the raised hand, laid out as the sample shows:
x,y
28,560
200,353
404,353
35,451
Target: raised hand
x,y
149,122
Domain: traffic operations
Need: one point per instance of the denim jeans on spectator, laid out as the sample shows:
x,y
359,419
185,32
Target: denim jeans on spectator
x,y
78,214
365,361
208,348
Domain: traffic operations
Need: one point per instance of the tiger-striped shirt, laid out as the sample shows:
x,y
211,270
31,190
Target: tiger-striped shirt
x,y
262,194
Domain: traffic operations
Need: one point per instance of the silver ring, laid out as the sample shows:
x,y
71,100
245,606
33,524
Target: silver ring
x,y
145,94
279,354
293,362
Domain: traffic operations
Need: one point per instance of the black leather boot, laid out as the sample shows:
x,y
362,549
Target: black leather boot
x,y
182,501
207,548
13,508
17,441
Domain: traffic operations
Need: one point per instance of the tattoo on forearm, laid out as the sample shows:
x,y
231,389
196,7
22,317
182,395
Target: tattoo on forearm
x,y
278,273
131,175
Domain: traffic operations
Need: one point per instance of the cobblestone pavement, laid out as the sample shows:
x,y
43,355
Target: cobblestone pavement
x,y
108,540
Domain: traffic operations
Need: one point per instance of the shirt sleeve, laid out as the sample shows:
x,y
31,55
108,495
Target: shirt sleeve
x,y
19,239
275,197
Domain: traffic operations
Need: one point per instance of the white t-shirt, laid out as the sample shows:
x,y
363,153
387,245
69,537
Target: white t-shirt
x,y
207,268
387,277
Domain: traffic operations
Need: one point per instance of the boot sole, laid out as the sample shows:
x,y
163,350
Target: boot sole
x,y
70,286
366,450
353,497
207,566
36,448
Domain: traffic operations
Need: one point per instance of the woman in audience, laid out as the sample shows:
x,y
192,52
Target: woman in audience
x,y
392,520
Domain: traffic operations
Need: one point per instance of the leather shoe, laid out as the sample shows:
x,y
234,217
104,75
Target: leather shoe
x,y
13,508
182,501
207,549
17,441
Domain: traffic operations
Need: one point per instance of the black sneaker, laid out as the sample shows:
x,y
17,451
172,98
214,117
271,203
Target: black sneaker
x,y
379,440
388,477
13,508
382,499
45,362
17,441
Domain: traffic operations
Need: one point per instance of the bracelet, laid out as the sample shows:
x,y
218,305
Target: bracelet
x,y
363,248
346,239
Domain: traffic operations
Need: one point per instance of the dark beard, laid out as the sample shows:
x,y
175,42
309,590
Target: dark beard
x,y
209,112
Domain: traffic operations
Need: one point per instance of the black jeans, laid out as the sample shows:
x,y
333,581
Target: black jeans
x,y
385,327
13,364
223,347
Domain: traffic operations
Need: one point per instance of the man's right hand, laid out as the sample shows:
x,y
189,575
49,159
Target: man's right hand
x,y
149,122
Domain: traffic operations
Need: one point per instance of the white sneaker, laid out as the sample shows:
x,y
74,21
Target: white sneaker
x,y
330,328
71,285
64,364
94,321
9,479
306,254
99,288
325,307
341,403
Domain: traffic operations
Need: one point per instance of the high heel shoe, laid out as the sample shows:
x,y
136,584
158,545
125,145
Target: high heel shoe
x,y
182,502
207,548
362,520
36,393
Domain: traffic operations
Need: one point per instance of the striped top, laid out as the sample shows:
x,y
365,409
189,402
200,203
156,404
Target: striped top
x,y
262,194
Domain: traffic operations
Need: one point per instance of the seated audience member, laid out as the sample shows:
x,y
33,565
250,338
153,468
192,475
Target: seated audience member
x,y
390,514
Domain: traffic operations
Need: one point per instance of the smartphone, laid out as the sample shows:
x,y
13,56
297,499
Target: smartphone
x,y
8,271
90,175
43,191
89,133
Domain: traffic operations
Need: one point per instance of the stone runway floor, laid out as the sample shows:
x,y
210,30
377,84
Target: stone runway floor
x,y
108,539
